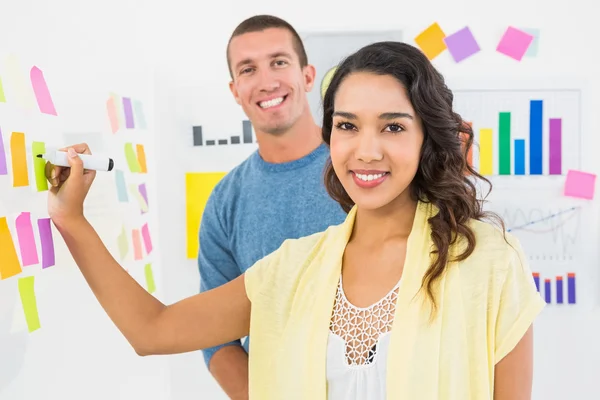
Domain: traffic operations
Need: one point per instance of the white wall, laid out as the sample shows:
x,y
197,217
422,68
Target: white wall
x,y
192,89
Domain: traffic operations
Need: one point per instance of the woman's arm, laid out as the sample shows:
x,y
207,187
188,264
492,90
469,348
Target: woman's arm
x,y
201,321
514,373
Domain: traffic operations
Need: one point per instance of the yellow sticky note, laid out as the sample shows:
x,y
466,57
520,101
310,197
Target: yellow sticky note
x,y
150,278
431,41
132,160
9,261
19,159
198,187
29,302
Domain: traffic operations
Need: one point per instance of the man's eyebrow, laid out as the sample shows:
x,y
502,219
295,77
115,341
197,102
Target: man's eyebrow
x,y
276,54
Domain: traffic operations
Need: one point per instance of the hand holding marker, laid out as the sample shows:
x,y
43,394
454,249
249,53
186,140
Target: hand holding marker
x,y
91,162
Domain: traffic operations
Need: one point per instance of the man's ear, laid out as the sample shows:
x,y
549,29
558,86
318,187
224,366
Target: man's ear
x,y
310,74
234,92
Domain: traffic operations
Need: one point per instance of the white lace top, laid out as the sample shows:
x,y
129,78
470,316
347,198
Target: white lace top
x,y
357,348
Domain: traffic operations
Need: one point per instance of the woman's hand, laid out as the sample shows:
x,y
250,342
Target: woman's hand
x,y
70,186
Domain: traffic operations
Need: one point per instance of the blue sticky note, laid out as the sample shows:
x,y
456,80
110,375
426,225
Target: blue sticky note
x,y
532,51
121,187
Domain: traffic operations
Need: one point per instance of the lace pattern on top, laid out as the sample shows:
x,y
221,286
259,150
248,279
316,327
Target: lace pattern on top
x,y
360,328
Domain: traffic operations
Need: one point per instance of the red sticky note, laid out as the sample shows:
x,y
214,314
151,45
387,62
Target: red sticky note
x,y
580,184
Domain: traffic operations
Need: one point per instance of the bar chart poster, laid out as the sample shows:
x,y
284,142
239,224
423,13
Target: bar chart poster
x,y
520,132
247,136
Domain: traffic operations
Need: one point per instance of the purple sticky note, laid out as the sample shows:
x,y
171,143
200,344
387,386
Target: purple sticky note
x,y
514,43
461,44
128,110
144,194
47,242
580,184
3,169
29,254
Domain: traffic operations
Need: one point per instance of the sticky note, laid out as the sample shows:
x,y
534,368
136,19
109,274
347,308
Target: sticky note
x,y
128,111
2,97
150,285
514,43
147,239
121,186
461,44
198,187
532,50
141,156
29,255
580,184
137,244
123,243
135,191
41,91
29,302
45,231
144,194
17,78
3,166
431,41
111,110
9,260
326,81
132,161
19,159
140,117
39,166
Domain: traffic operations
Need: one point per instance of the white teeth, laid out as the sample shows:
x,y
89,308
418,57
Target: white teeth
x,y
369,177
271,103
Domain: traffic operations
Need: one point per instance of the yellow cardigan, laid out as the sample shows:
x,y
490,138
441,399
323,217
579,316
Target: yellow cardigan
x,y
485,305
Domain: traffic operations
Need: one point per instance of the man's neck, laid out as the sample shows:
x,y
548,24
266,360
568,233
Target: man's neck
x,y
302,139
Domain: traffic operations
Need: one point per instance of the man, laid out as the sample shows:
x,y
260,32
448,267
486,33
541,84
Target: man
x,y
278,192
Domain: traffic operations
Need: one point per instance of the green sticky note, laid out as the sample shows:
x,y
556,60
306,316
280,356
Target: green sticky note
x,y
39,166
26,290
123,243
132,161
150,279
2,98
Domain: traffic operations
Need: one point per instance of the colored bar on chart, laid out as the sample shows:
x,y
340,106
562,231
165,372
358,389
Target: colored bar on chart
x,y
222,141
197,135
555,146
535,137
504,143
47,242
519,156
2,97
571,287
485,152
210,142
559,290
548,290
9,260
19,159
29,255
3,166
536,279
235,140
41,91
29,302
247,131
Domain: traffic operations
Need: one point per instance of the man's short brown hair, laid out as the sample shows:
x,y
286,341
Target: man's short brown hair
x,y
259,23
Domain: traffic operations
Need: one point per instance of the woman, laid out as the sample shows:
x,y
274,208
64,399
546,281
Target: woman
x,y
414,296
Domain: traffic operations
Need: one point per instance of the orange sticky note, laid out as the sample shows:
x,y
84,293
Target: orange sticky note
x,y
580,184
431,41
137,244
9,261
19,159
141,155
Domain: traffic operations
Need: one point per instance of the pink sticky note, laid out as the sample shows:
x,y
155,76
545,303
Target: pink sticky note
x,y
514,43
580,184
137,244
111,110
147,240
42,94
47,242
29,254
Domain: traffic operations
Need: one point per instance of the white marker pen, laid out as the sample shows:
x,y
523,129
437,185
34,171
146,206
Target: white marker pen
x,y
90,161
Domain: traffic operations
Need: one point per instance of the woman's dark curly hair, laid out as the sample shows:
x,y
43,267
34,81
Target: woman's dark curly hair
x,y
444,177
